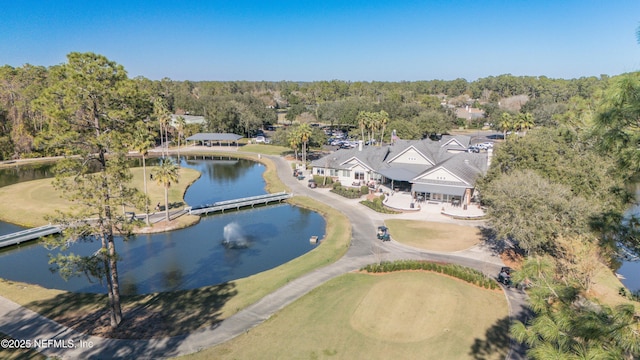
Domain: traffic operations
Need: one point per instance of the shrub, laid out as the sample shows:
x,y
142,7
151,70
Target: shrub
x,y
376,205
364,190
321,180
463,273
337,185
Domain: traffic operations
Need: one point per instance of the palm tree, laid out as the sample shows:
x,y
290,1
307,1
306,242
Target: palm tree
x,y
294,140
142,143
304,131
162,115
525,121
384,119
373,124
362,121
181,123
506,124
165,174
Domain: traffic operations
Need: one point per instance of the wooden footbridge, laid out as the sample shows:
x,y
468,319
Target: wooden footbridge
x,y
28,235
237,204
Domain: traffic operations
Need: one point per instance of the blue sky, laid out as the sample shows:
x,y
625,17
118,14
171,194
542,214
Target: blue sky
x,y
326,39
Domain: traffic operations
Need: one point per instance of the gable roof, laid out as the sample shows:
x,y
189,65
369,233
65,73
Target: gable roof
x,y
466,166
410,147
458,142
214,137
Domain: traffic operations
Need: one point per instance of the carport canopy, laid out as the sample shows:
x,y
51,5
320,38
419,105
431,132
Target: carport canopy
x,y
229,137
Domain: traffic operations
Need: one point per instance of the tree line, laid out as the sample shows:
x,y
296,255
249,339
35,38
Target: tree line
x,y
414,108
559,196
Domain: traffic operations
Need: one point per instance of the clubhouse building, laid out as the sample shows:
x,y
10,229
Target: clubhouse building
x,y
434,171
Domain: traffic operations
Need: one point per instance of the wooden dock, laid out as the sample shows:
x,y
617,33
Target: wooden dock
x,y
236,204
28,235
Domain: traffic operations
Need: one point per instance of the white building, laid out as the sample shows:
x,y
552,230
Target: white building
x,y
432,170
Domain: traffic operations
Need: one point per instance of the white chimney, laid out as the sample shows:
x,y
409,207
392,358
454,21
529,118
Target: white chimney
x,y
359,145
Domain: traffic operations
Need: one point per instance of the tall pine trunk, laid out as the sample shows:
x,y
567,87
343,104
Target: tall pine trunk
x,y
108,246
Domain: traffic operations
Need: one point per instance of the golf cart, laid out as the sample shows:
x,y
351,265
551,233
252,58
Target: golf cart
x,y
504,277
383,233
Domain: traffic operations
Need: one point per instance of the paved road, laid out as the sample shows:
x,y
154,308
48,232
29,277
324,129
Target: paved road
x,y
21,323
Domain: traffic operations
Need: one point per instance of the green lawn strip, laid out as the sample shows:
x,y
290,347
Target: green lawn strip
x,y
391,316
433,236
265,149
32,201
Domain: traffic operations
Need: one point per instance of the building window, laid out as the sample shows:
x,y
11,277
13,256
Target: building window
x,y
320,172
346,173
359,175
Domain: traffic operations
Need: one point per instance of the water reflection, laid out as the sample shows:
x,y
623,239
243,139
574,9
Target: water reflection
x,y
14,175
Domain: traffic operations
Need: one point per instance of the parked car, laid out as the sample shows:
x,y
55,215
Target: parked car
x,y
261,140
312,184
484,145
473,149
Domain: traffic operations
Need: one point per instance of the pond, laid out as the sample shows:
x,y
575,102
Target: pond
x,y
630,267
220,248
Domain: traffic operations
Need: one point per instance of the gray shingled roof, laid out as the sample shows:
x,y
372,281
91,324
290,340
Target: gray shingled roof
x,y
467,166
214,137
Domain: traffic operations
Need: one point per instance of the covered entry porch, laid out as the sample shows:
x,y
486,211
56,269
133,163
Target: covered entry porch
x,y
454,195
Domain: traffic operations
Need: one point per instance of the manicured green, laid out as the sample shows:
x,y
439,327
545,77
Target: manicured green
x,y
433,236
391,316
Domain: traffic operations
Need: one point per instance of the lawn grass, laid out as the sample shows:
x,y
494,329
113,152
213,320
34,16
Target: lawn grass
x,y
265,149
432,235
34,200
606,288
390,316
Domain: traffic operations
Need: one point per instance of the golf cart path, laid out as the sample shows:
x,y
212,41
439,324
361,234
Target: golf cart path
x,y
22,324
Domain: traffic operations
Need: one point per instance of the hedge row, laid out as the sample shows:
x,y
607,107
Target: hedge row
x,y
319,180
463,273
376,205
350,193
